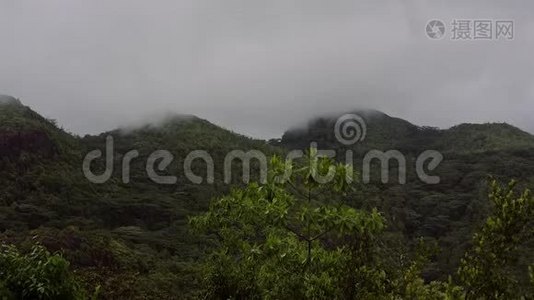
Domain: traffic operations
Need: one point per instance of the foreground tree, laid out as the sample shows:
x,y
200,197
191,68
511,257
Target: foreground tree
x,y
285,239
36,275
292,238
485,270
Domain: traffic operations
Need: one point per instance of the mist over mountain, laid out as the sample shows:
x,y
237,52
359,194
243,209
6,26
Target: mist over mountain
x,y
384,132
302,149
4,99
280,62
138,231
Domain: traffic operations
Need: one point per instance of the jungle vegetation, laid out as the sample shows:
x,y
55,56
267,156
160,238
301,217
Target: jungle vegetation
x,y
63,237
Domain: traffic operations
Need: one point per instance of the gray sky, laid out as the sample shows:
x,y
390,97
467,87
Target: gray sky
x,y
259,67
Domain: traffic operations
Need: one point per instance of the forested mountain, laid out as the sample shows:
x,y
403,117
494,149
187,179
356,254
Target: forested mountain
x,y
133,238
449,211
386,132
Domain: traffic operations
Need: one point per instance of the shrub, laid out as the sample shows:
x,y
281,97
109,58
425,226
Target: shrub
x,y
36,275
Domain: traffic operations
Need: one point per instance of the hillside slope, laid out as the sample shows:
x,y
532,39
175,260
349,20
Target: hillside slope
x,y
447,212
131,238
385,133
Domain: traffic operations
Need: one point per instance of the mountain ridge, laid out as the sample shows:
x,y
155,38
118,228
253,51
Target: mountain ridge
x,y
135,235
395,126
384,132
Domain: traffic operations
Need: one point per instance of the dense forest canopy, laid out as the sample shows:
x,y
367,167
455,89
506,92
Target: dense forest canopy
x,y
470,236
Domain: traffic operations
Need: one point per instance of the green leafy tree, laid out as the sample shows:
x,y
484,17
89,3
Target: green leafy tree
x,y
36,275
292,238
289,237
484,271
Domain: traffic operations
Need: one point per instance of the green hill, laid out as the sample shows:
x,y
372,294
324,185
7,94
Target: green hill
x,y
446,212
484,137
133,238
385,133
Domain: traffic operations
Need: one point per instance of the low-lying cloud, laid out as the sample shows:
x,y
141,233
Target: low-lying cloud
x,y
260,67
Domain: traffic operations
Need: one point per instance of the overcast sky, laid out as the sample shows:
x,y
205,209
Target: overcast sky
x,y
259,67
